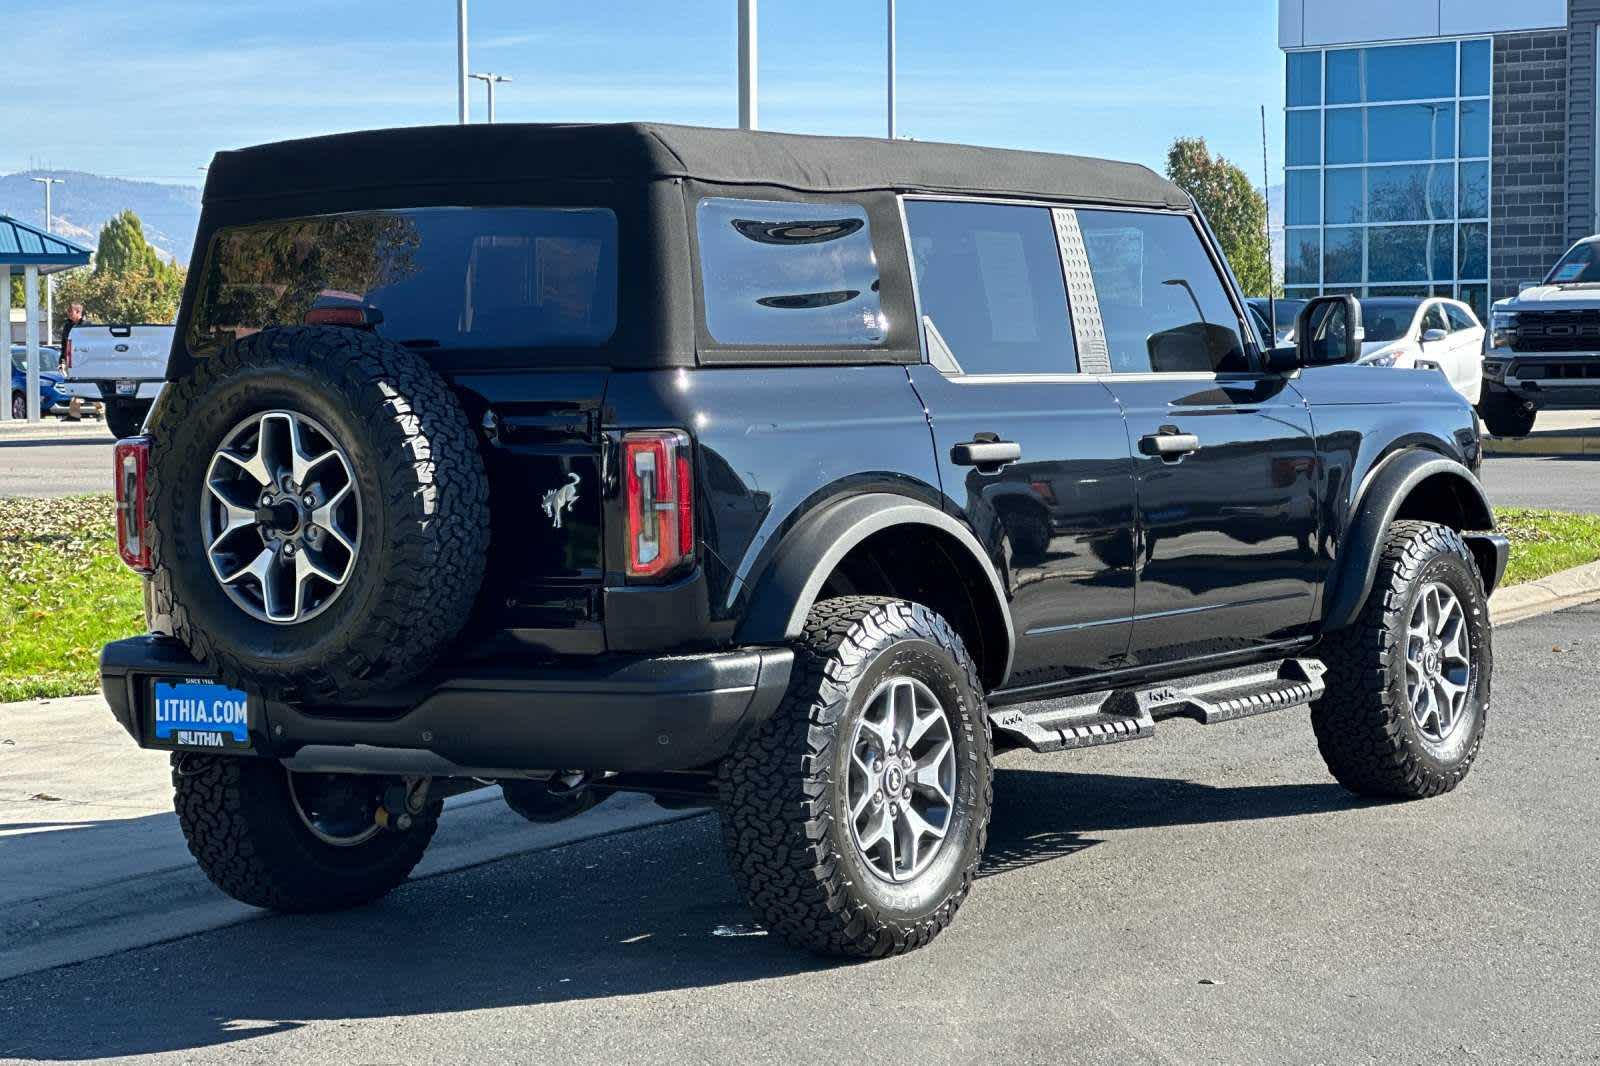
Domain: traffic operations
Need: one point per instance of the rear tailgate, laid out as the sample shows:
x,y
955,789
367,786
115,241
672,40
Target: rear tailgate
x,y
121,357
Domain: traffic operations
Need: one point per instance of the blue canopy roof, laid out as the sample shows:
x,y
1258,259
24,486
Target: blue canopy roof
x,y
21,245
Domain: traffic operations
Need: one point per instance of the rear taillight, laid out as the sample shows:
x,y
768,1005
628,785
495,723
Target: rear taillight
x,y
131,463
659,490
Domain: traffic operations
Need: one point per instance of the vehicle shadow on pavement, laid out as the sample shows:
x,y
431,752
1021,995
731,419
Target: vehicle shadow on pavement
x,y
631,914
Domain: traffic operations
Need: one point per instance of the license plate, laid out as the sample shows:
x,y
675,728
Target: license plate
x,y
126,387
199,714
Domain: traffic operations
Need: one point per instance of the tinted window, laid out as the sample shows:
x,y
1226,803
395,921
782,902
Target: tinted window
x,y
1475,128
1304,78
1433,318
1474,202
441,278
1302,196
1459,318
1577,267
1409,253
789,274
1303,141
989,276
1162,301
1475,68
1387,320
1405,72
1393,134
1302,257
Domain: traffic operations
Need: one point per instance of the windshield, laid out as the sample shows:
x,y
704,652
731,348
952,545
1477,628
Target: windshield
x,y
1387,320
49,359
1577,267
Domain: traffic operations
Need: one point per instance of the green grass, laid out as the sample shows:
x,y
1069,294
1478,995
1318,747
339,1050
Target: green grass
x,y
1543,542
64,592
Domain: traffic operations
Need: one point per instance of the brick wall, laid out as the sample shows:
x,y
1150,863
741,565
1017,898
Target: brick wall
x,y
1528,205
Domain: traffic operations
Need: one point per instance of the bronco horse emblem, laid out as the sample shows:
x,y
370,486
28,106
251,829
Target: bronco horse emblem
x,y
561,499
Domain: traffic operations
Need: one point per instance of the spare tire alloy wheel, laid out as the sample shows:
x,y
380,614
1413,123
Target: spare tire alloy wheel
x,y
283,517
1438,664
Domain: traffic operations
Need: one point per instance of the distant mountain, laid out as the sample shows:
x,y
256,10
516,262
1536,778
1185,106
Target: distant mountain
x,y
85,202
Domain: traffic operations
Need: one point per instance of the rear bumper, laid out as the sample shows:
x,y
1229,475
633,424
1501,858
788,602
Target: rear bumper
x,y
614,713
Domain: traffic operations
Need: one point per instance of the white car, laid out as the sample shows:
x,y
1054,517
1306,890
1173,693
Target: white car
x,y
1438,333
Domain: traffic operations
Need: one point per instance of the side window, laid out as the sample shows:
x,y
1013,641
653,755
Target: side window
x,y
994,299
1164,306
1433,318
1459,319
789,274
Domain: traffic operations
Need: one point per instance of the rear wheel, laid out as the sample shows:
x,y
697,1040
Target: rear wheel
x,y
19,406
294,842
1506,416
856,816
1408,684
125,419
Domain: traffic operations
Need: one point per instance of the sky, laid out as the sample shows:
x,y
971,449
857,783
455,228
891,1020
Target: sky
x,y
149,89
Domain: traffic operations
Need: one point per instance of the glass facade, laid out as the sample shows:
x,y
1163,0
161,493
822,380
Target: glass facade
x,y
1387,171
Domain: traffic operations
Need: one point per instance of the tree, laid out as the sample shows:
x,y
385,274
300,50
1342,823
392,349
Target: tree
x,y
1236,211
132,296
122,248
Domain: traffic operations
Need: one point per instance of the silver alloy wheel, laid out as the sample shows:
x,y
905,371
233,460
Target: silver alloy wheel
x,y
902,779
1438,662
335,807
281,517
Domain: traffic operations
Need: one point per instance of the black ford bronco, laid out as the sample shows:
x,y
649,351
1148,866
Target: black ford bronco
x,y
792,476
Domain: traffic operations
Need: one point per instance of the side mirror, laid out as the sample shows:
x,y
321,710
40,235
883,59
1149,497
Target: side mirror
x,y
1433,336
1328,331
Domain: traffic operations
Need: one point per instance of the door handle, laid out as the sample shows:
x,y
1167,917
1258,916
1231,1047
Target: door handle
x,y
1169,445
987,455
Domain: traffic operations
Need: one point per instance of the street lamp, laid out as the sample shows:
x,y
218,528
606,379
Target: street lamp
x,y
490,80
49,281
748,112
891,69
461,62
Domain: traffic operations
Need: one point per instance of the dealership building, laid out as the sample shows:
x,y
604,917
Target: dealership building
x,y
1436,147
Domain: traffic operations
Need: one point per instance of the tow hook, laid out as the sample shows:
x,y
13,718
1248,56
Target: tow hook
x,y
402,802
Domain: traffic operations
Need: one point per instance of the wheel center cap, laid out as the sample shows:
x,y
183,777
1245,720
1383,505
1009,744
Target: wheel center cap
x,y
1431,659
283,515
894,778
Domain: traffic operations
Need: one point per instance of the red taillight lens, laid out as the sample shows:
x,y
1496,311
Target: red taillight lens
x,y
659,487
131,465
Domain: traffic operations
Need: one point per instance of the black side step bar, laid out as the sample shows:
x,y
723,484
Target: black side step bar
x,y
1131,714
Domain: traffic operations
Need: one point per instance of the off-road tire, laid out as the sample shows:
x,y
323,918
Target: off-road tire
x,y
242,828
425,527
125,419
1504,416
794,860
1363,723
19,406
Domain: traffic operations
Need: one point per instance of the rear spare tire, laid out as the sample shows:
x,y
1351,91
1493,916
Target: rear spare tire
x,y
320,513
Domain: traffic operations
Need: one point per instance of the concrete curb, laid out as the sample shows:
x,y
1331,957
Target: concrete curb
x,y
52,428
1551,444
1569,588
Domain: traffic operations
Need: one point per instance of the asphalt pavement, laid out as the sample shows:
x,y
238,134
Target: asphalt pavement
x,y
55,460
1206,896
1568,483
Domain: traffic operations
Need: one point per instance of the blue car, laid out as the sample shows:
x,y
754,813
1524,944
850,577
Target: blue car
x,y
52,393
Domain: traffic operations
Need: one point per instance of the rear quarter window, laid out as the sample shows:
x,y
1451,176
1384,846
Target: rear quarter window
x,y
790,275
441,278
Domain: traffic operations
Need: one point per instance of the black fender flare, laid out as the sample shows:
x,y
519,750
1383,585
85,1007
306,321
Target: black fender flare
x,y
784,594
1380,500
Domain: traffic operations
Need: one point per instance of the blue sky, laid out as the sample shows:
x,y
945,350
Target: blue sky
x,y
148,89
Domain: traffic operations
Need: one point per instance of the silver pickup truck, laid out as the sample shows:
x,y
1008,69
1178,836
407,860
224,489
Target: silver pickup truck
x,y
1544,346
122,365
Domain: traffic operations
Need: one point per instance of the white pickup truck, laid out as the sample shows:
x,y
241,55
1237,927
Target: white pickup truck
x,y
122,365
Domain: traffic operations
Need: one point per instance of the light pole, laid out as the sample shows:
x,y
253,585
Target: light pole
x,y
462,115
490,80
891,70
748,118
49,281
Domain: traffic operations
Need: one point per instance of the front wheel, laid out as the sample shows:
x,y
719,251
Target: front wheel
x,y
1505,416
19,406
1408,683
294,842
856,816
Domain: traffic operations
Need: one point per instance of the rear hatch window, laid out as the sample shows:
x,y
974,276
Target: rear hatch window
x,y
446,278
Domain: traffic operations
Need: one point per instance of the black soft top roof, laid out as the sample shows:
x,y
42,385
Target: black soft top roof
x,y
430,155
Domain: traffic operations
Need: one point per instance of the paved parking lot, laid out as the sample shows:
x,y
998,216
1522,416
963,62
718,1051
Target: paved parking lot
x,y
1206,896
55,461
